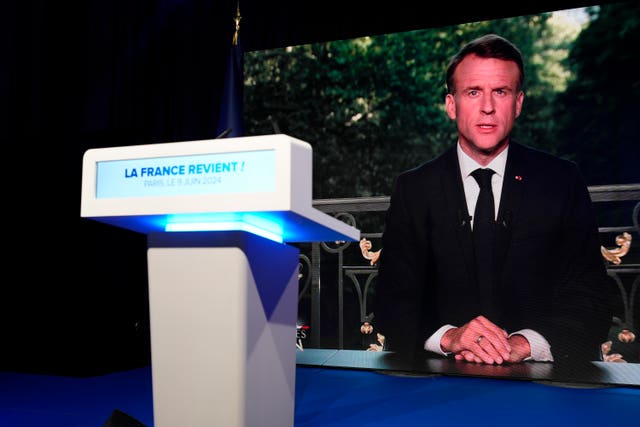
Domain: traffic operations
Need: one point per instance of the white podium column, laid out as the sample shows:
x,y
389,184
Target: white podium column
x,y
223,305
223,310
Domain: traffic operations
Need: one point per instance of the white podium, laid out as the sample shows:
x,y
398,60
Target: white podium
x,y
223,282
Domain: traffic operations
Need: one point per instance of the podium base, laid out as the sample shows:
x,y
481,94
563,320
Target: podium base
x,y
223,309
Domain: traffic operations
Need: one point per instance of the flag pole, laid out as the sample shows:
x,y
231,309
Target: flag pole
x,y
230,119
237,19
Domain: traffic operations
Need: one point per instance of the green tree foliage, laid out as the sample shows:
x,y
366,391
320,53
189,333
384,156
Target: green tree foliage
x,y
372,107
598,123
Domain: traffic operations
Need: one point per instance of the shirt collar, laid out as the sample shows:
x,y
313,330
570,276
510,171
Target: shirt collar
x,y
468,165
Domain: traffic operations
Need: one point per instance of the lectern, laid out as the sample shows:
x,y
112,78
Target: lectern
x,y
223,280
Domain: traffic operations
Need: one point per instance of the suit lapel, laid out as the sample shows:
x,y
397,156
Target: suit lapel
x,y
456,206
510,201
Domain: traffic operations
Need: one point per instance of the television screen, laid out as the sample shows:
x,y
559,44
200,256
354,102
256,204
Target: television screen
x,y
374,106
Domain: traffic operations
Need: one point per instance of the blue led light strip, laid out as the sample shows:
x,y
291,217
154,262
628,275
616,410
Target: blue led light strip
x,y
224,226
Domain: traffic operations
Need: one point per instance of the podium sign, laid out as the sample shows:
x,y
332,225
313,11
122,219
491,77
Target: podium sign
x,y
223,283
260,184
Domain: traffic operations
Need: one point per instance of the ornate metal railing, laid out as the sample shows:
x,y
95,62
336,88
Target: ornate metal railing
x,y
336,280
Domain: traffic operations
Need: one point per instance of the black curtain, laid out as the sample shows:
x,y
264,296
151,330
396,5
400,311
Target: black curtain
x,y
86,75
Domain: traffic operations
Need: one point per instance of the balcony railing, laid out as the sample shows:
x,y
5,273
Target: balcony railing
x,y
336,281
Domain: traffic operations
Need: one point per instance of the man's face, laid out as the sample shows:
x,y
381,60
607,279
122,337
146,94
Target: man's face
x,y
485,105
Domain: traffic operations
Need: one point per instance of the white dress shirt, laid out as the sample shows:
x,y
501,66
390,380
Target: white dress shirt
x,y
540,348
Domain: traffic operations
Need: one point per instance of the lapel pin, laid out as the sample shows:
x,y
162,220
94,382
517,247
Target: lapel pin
x,y
518,178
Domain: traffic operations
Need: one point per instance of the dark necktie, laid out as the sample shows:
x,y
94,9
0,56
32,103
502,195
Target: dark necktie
x,y
483,223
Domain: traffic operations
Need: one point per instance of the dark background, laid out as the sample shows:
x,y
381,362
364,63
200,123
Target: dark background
x,y
91,74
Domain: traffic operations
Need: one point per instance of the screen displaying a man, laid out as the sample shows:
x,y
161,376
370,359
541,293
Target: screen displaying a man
x,y
490,252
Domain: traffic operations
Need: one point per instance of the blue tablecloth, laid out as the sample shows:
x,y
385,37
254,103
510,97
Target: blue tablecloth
x,y
334,397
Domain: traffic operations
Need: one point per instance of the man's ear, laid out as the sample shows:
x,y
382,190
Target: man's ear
x,y
450,105
519,102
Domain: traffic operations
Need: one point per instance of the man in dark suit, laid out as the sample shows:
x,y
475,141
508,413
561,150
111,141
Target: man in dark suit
x,y
541,294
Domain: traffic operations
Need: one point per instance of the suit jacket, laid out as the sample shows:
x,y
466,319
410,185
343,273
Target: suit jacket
x,y
550,273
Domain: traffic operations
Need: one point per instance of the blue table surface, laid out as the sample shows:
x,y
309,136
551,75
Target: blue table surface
x,y
334,397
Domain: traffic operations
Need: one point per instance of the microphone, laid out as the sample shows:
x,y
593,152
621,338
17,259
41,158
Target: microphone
x,y
505,222
463,218
224,133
